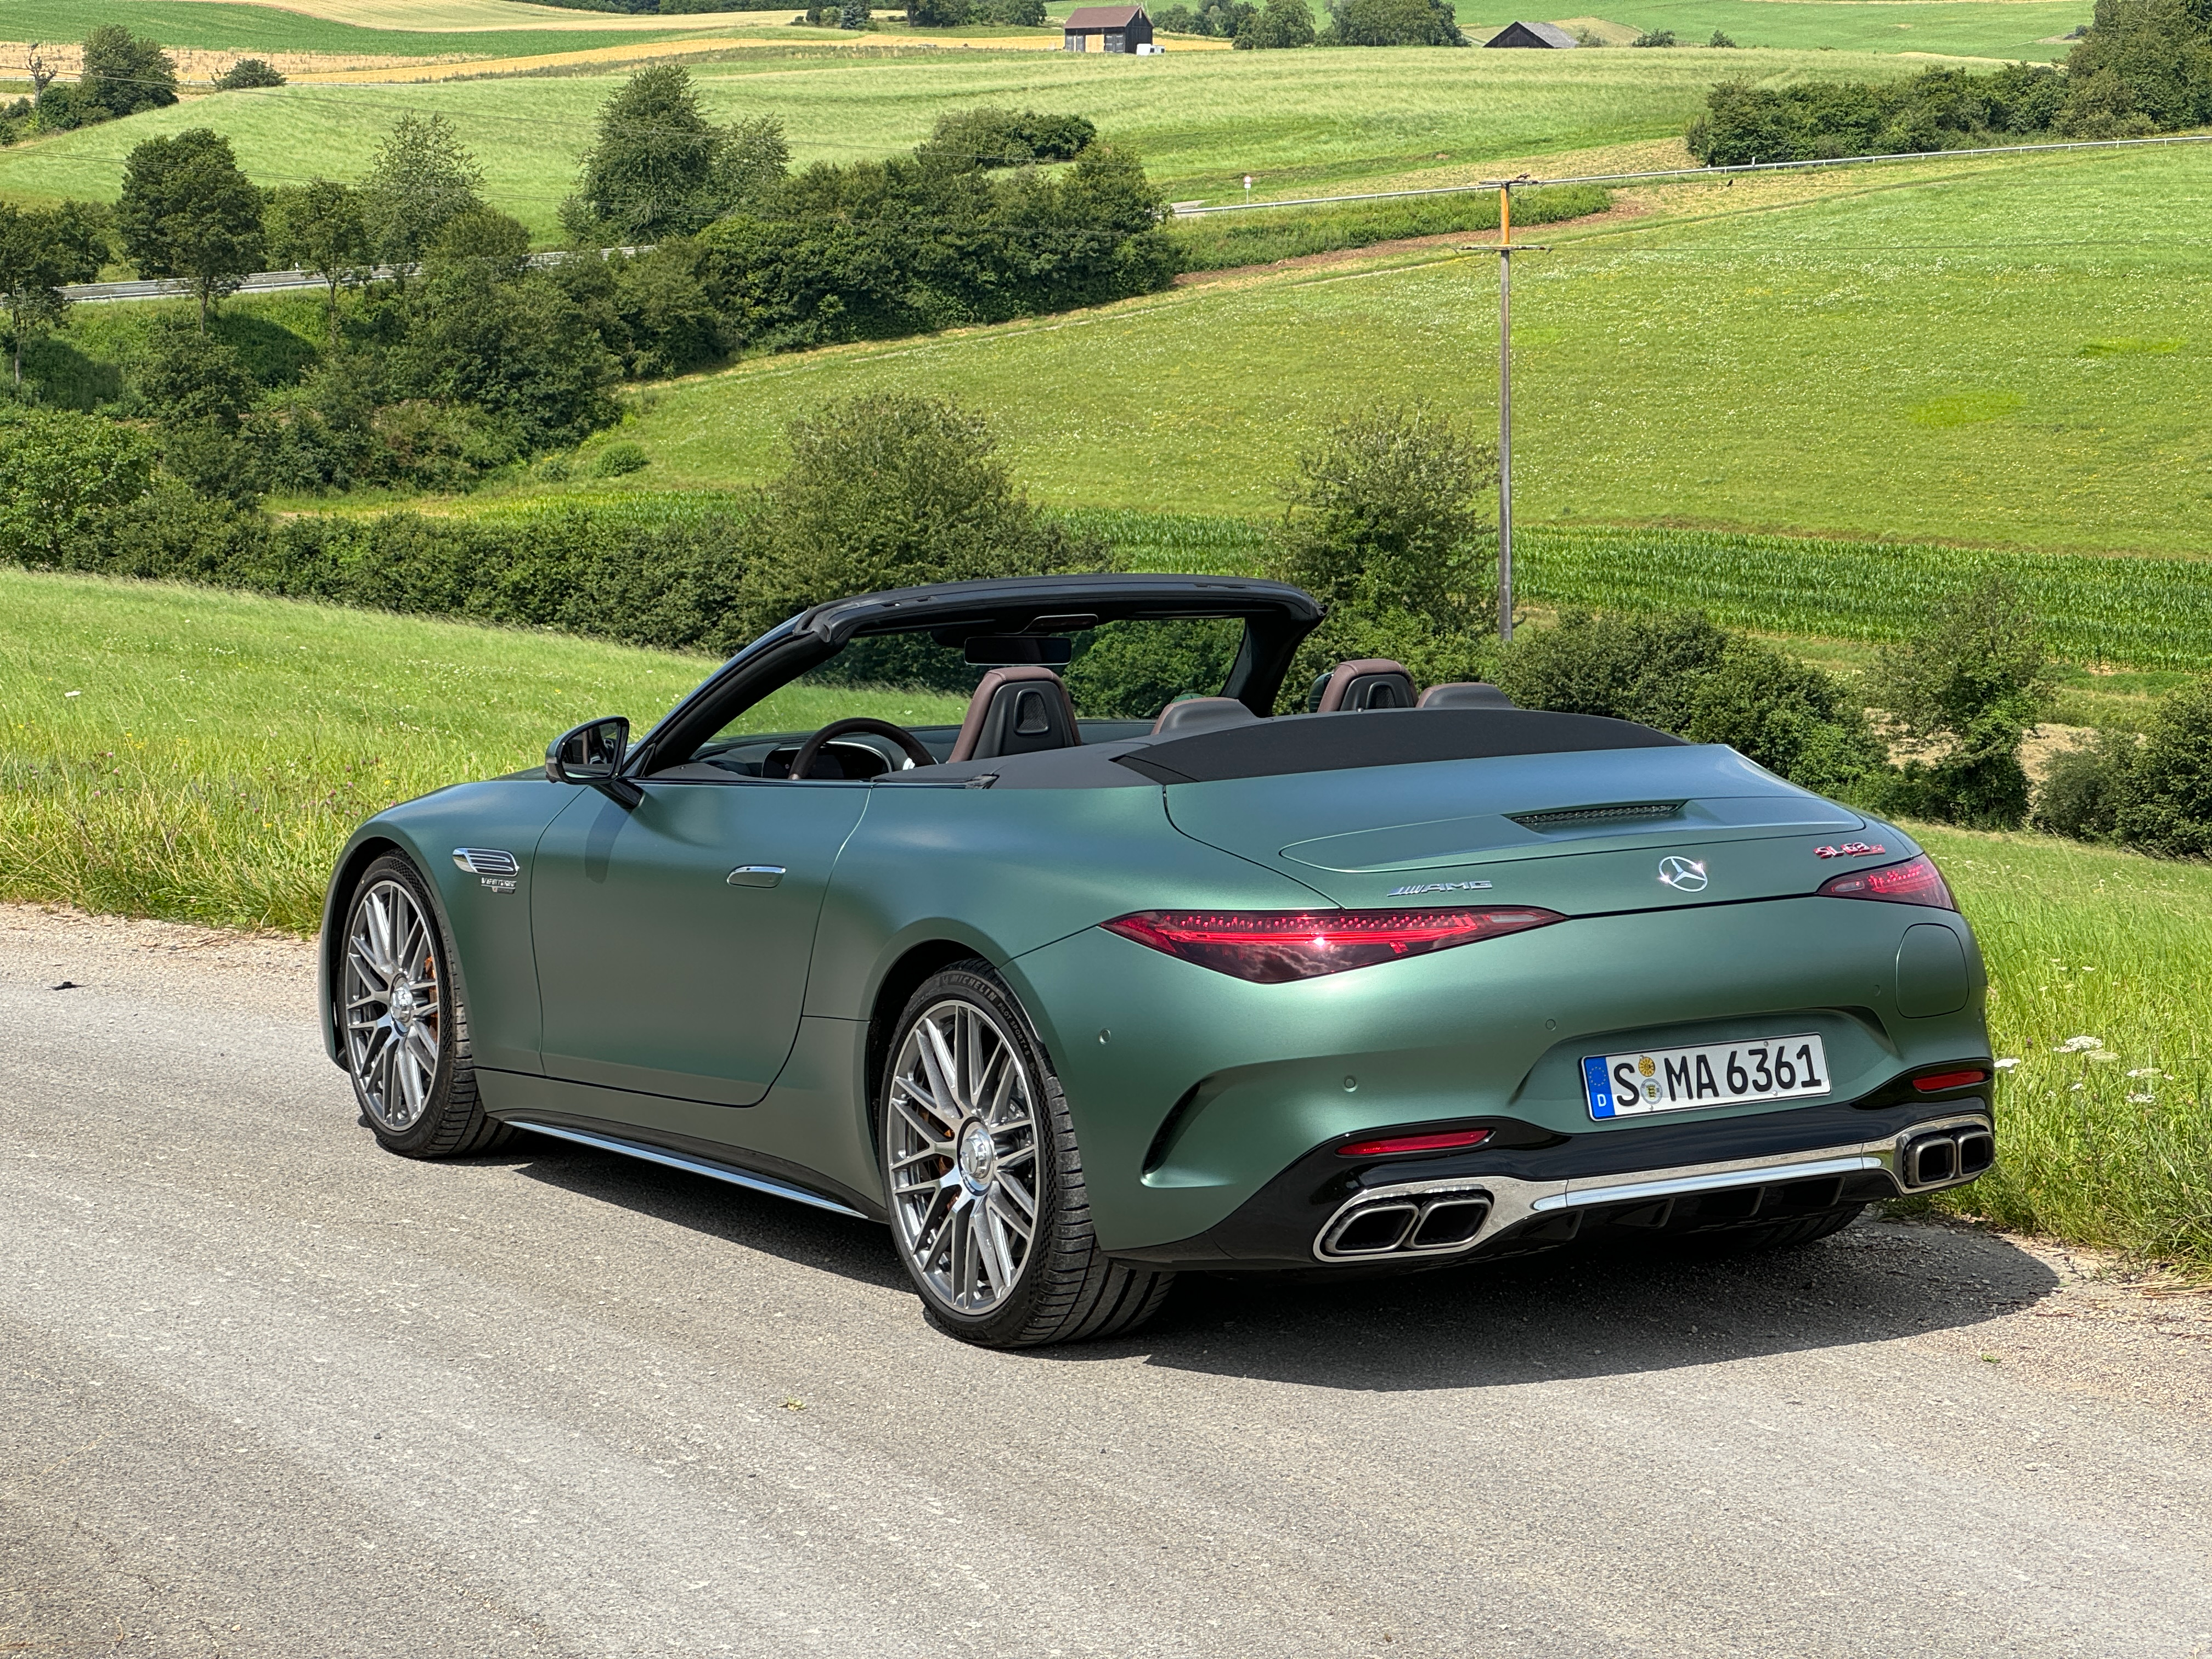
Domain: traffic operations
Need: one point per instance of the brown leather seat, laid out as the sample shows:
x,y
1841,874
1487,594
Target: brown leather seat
x,y
1188,714
1466,694
1016,711
1365,682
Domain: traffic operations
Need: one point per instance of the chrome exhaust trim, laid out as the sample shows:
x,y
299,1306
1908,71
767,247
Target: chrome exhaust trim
x,y
1963,1147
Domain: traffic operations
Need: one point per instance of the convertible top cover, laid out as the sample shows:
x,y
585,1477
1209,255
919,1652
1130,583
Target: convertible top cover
x,y
1396,737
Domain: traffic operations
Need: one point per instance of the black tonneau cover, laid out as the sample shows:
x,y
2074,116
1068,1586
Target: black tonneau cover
x,y
1382,736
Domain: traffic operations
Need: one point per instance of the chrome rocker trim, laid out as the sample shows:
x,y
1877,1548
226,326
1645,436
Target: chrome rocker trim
x,y
758,1183
1513,1200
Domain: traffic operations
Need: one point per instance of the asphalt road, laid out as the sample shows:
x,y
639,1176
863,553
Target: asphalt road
x,y
266,1390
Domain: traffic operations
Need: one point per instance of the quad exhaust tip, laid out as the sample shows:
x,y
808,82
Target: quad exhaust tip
x,y
1945,1156
1431,1223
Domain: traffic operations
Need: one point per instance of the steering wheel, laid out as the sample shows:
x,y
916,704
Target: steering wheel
x,y
810,750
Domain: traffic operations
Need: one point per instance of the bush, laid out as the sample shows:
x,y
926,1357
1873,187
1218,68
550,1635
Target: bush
x,y
1280,25
1654,38
1683,674
888,490
1968,686
1132,671
1936,110
2079,795
248,72
64,476
1720,40
994,137
617,459
1383,524
2163,796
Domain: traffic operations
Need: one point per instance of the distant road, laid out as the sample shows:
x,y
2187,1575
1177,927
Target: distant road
x,y
268,1392
268,282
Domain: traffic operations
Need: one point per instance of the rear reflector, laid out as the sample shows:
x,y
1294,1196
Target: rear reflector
x,y
1270,947
1450,1140
1942,1080
1916,881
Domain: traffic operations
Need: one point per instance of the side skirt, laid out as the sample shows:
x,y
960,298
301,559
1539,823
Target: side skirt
x,y
686,1161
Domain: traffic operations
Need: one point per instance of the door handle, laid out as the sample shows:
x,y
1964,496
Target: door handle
x,y
755,875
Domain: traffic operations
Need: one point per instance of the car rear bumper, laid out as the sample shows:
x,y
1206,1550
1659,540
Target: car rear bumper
x,y
1503,1199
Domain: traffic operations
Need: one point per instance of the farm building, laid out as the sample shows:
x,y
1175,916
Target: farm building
x,y
1548,35
1106,28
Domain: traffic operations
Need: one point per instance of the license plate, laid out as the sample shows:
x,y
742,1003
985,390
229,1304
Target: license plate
x,y
1714,1074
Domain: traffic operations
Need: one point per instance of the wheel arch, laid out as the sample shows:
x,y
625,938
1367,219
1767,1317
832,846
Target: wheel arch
x,y
900,980
370,845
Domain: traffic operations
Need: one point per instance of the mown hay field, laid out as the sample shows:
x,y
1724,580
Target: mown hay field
x,y
1297,121
220,747
388,28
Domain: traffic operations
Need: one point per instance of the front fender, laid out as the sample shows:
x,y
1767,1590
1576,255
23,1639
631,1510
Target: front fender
x,y
486,922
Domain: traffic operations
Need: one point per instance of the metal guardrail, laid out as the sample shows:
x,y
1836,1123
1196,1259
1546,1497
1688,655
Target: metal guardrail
x,y
1184,210
276,281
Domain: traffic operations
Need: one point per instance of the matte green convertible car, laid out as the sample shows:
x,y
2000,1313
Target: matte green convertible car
x,y
1414,978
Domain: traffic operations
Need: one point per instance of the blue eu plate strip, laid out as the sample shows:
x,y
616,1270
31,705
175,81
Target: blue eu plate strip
x,y
1600,1086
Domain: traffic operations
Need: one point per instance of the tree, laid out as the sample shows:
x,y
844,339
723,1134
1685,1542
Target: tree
x,y
420,178
1282,23
41,249
321,227
1395,23
248,72
124,73
187,211
660,169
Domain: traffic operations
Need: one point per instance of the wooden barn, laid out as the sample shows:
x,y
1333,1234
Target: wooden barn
x,y
1547,36
1106,28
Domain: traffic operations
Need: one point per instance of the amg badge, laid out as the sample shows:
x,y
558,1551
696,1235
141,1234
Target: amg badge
x,y
1438,887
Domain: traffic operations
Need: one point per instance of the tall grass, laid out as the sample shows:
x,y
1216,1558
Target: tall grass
x,y
2110,1145
220,747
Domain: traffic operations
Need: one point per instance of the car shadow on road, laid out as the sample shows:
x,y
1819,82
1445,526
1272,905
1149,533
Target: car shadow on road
x,y
1582,1313
859,1250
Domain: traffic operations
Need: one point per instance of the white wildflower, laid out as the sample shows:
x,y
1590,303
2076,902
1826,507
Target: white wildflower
x,y
2142,1100
2144,1071
2076,1089
2077,1045
2007,1065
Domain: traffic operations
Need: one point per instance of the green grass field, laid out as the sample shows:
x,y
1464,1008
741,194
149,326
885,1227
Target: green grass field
x,y
221,747
2000,353
212,26
1298,121
2014,32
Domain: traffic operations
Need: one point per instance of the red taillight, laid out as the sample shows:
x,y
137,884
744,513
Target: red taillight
x,y
1942,1080
1916,881
1269,947
1449,1140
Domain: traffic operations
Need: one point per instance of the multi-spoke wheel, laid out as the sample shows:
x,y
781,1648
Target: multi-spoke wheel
x,y
984,1184
405,1032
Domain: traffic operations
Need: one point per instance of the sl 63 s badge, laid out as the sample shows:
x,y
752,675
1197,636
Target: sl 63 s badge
x,y
1438,887
1849,849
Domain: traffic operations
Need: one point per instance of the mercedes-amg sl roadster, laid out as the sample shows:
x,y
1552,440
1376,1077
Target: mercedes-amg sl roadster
x,y
1410,977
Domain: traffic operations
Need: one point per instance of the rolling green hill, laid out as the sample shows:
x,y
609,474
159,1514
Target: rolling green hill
x,y
1297,121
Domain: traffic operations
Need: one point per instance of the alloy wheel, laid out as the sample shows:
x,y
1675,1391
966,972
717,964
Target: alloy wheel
x,y
394,1019
963,1155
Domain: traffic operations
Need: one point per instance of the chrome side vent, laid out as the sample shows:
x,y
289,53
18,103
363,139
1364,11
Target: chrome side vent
x,y
1573,817
485,861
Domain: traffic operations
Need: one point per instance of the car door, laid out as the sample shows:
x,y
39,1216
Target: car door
x,y
672,937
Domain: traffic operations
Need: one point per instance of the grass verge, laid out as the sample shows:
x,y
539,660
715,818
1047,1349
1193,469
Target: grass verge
x,y
221,747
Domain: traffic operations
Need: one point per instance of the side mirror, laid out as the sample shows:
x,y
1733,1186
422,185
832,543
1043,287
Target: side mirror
x,y
593,754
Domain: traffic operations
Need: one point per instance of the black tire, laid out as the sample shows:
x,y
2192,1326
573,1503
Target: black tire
x,y
1066,1289
448,1121
1763,1237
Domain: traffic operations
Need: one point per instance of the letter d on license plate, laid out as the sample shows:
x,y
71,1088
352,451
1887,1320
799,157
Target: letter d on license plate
x,y
1714,1074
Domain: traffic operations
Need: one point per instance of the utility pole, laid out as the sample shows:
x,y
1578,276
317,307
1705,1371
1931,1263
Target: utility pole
x,y
1505,250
